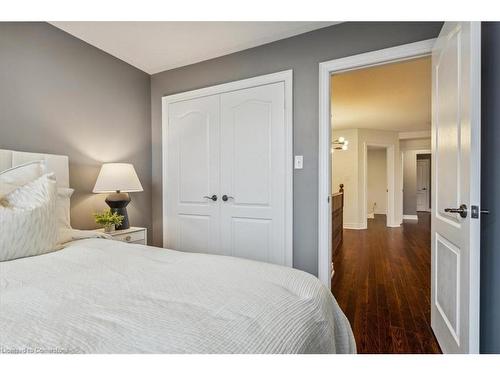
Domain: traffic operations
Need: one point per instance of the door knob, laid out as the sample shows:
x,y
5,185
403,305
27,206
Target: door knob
x,y
226,197
213,197
462,210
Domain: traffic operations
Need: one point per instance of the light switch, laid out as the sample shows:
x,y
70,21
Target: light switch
x,y
299,161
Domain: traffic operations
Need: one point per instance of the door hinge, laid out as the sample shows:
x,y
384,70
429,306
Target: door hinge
x,y
328,199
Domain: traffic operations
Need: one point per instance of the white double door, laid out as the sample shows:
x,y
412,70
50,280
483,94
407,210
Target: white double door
x,y
225,182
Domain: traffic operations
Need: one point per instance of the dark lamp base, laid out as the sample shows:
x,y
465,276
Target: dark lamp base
x,y
118,202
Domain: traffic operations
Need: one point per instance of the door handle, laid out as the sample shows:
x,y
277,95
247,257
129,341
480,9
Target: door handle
x,y
462,210
225,198
213,197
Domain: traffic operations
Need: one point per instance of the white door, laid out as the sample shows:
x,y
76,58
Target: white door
x,y
456,182
423,184
193,176
253,173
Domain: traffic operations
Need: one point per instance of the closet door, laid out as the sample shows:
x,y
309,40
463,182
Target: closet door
x,y
253,173
193,176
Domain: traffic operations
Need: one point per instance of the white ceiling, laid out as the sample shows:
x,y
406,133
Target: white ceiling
x,y
157,46
393,97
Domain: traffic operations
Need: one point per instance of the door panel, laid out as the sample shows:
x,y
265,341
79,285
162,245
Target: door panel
x,y
251,238
194,156
455,172
193,168
448,80
447,279
251,152
253,173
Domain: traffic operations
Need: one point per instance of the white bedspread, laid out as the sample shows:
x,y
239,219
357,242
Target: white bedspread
x,y
103,296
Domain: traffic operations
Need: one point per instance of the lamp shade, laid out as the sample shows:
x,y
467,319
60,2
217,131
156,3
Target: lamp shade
x,y
117,177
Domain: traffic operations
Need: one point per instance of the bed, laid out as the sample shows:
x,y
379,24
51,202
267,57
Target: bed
x,y
96,295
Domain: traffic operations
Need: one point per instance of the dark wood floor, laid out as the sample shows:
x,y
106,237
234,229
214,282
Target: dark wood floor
x,y
382,283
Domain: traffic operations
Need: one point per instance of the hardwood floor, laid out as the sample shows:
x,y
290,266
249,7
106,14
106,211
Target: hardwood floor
x,y
382,283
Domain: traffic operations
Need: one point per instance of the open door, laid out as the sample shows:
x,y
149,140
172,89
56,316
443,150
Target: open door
x,y
456,128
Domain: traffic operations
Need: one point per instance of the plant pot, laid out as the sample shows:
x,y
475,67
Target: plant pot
x,y
109,228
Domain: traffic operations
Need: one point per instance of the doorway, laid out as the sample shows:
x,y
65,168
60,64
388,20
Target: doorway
x,y
326,70
424,182
376,112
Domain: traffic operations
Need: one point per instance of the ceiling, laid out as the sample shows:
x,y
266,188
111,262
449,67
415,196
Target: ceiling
x,y
393,97
157,46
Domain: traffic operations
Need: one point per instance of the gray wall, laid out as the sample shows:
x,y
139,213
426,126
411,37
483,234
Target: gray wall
x,y
301,53
490,188
60,95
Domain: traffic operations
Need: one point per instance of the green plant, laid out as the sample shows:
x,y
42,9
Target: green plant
x,y
108,218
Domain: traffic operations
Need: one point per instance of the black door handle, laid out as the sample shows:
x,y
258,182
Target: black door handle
x,y
213,197
462,210
226,197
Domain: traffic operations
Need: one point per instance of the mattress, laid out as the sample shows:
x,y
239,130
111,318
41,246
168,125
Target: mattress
x,y
104,296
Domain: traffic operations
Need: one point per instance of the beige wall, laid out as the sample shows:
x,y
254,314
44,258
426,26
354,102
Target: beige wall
x,y
345,171
377,181
415,144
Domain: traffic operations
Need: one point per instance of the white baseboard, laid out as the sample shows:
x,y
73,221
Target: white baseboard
x,y
394,225
410,217
355,226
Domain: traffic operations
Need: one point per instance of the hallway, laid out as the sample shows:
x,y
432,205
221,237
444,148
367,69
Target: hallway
x,y
382,283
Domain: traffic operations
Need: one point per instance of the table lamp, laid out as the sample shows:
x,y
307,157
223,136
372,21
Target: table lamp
x,y
119,179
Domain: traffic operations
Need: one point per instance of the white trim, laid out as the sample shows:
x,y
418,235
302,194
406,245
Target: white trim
x,y
421,134
286,77
399,53
356,226
410,217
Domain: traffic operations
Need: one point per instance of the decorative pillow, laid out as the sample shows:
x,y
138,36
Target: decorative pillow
x,y
12,178
63,207
28,219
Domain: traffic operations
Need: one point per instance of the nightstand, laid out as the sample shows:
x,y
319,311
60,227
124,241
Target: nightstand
x,y
135,235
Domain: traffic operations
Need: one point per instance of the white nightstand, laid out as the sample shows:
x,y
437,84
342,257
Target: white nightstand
x,y
132,235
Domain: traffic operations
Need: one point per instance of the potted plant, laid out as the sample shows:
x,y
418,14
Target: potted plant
x,y
108,219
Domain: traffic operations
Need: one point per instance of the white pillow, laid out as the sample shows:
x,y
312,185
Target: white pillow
x,y
12,178
28,219
63,207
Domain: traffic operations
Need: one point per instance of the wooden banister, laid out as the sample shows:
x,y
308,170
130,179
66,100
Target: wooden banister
x,y
337,220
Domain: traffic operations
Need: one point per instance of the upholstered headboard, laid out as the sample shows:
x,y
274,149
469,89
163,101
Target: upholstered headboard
x,y
58,164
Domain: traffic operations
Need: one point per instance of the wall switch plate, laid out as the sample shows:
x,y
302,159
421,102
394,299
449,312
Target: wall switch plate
x,y
299,162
